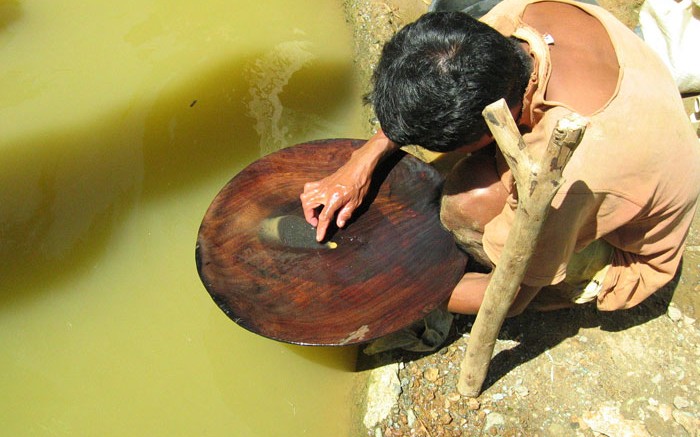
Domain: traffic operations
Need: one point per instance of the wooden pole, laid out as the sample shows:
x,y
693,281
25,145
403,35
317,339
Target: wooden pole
x,y
537,183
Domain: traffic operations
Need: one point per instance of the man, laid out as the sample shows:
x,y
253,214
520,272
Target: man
x,y
616,229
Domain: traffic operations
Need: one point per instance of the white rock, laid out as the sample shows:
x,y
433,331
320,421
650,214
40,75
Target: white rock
x,y
494,419
411,417
687,421
665,412
522,391
680,402
382,394
674,313
609,421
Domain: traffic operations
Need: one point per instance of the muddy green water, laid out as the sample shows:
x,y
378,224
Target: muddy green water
x,y
119,123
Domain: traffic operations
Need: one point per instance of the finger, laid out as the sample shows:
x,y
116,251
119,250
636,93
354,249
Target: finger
x,y
345,214
310,212
324,219
326,216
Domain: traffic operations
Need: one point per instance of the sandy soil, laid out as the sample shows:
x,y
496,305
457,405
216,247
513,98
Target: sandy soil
x,y
574,372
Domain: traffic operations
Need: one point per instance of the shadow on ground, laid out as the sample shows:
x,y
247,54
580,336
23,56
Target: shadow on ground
x,y
538,332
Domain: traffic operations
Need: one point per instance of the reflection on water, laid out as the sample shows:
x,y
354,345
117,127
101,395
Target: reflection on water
x,y
121,121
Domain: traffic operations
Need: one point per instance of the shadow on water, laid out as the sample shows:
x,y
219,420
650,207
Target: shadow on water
x,y
10,11
327,356
65,192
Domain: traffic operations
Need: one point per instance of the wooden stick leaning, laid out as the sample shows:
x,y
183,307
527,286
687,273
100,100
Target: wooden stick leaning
x,y
537,184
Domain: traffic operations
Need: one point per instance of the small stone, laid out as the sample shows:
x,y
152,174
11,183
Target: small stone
x,y
454,397
431,374
583,426
680,402
574,422
498,397
494,420
446,419
674,313
687,421
521,391
410,418
665,412
688,320
473,404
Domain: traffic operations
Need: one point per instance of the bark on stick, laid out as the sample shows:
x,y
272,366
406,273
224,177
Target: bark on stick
x,y
537,182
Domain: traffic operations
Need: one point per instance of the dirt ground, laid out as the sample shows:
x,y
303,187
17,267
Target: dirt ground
x,y
576,372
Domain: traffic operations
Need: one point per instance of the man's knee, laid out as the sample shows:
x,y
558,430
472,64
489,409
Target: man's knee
x,y
473,194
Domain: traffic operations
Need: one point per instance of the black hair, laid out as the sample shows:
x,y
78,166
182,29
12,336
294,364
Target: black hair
x,y
436,75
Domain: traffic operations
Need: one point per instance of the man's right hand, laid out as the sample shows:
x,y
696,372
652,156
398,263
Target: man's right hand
x,y
338,195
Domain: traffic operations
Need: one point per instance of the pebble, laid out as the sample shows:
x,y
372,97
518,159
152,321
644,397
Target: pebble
x,y
473,404
431,374
680,402
674,313
410,418
687,421
665,412
521,391
494,420
446,419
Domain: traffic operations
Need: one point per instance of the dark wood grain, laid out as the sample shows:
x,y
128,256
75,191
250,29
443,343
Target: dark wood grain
x,y
393,262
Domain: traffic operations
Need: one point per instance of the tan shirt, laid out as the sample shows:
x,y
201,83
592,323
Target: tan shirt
x,y
633,181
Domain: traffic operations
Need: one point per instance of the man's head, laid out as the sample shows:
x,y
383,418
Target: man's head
x,y
437,74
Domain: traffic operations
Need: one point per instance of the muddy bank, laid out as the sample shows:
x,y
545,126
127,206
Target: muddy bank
x,y
574,372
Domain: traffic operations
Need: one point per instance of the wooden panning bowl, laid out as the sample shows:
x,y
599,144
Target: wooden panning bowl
x,y
391,264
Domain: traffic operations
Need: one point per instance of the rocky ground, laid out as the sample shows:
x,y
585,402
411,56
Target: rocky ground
x,y
575,372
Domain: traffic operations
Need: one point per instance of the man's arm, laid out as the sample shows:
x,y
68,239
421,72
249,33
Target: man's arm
x,y
469,293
